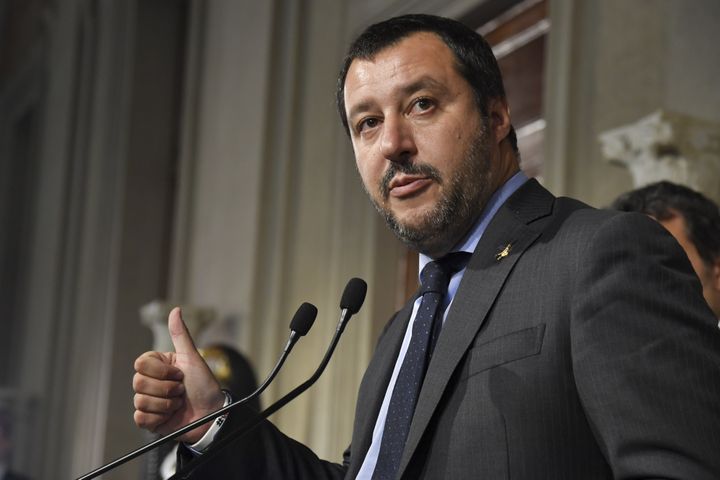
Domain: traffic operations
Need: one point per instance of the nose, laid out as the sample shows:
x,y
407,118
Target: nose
x,y
397,142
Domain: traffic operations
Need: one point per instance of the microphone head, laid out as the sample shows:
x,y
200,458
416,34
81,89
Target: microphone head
x,y
303,318
354,295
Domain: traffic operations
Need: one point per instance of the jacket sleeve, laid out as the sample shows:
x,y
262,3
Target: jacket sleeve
x,y
263,453
646,354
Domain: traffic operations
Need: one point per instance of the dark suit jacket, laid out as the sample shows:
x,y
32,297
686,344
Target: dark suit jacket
x,y
586,352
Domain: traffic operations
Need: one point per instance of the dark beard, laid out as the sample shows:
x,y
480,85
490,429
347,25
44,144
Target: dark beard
x,y
456,211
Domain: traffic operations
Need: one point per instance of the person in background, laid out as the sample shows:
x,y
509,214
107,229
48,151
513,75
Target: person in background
x,y
693,219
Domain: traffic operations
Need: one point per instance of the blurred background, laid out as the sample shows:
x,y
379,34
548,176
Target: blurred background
x,y
163,152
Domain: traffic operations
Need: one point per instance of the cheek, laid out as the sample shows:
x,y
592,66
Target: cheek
x,y
441,151
366,173
369,166
445,142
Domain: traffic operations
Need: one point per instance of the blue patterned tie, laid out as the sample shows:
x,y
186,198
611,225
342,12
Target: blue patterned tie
x,y
434,281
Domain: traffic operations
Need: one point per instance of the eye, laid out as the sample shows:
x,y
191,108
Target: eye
x,y
423,104
367,123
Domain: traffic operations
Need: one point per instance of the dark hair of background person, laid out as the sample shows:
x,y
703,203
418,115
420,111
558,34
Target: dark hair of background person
x,y
665,200
475,60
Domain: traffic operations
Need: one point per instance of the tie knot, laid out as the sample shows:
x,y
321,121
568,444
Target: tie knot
x,y
435,276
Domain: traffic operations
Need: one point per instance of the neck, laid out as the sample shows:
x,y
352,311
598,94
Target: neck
x,y
508,162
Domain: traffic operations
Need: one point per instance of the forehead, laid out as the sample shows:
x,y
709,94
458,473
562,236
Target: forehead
x,y
420,55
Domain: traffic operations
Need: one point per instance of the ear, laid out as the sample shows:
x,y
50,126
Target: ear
x,y
499,113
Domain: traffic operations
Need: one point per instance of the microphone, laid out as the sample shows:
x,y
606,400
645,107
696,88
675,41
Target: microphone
x,y
300,325
352,299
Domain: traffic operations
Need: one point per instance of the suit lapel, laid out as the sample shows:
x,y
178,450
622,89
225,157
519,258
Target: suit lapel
x,y
502,244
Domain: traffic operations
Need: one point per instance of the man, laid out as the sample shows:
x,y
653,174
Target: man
x,y
573,344
694,221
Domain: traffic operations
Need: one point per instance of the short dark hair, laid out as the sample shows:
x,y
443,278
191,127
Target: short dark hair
x,y
665,200
474,57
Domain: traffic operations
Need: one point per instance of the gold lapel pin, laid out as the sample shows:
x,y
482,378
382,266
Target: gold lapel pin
x,y
504,252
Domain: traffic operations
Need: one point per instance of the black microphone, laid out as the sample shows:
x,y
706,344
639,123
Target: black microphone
x,y
354,295
352,299
300,324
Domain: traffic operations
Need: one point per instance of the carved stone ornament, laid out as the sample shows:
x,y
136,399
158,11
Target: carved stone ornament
x,y
668,146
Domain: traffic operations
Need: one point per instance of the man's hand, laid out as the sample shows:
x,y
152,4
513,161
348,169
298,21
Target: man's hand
x,y
174,389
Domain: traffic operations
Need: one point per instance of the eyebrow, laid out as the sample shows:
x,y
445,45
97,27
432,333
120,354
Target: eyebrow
x,y
421,83
406,90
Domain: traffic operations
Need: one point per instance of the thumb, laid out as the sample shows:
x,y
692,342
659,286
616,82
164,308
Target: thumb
x,y
181,339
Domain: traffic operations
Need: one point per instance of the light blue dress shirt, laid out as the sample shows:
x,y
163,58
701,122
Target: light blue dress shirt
x,y
467,245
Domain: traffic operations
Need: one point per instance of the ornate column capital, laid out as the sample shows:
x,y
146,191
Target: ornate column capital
x,y
668,146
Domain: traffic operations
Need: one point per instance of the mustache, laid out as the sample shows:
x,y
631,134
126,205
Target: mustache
x,y
408,169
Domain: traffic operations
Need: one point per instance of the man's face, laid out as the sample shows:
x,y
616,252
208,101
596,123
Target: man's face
x,y
423,151
709,275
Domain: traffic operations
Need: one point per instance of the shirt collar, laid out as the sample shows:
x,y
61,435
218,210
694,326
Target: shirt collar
x,y
471,240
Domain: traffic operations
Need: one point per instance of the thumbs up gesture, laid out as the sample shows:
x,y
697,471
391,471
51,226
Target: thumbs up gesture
x,y
173,389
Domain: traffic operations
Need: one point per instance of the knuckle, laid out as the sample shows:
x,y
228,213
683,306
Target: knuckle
x,y
136,382
139,383
145,421
140,419
140,402
141,362
168,389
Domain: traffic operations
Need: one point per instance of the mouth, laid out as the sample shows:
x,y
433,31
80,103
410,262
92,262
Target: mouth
x,y
403,186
